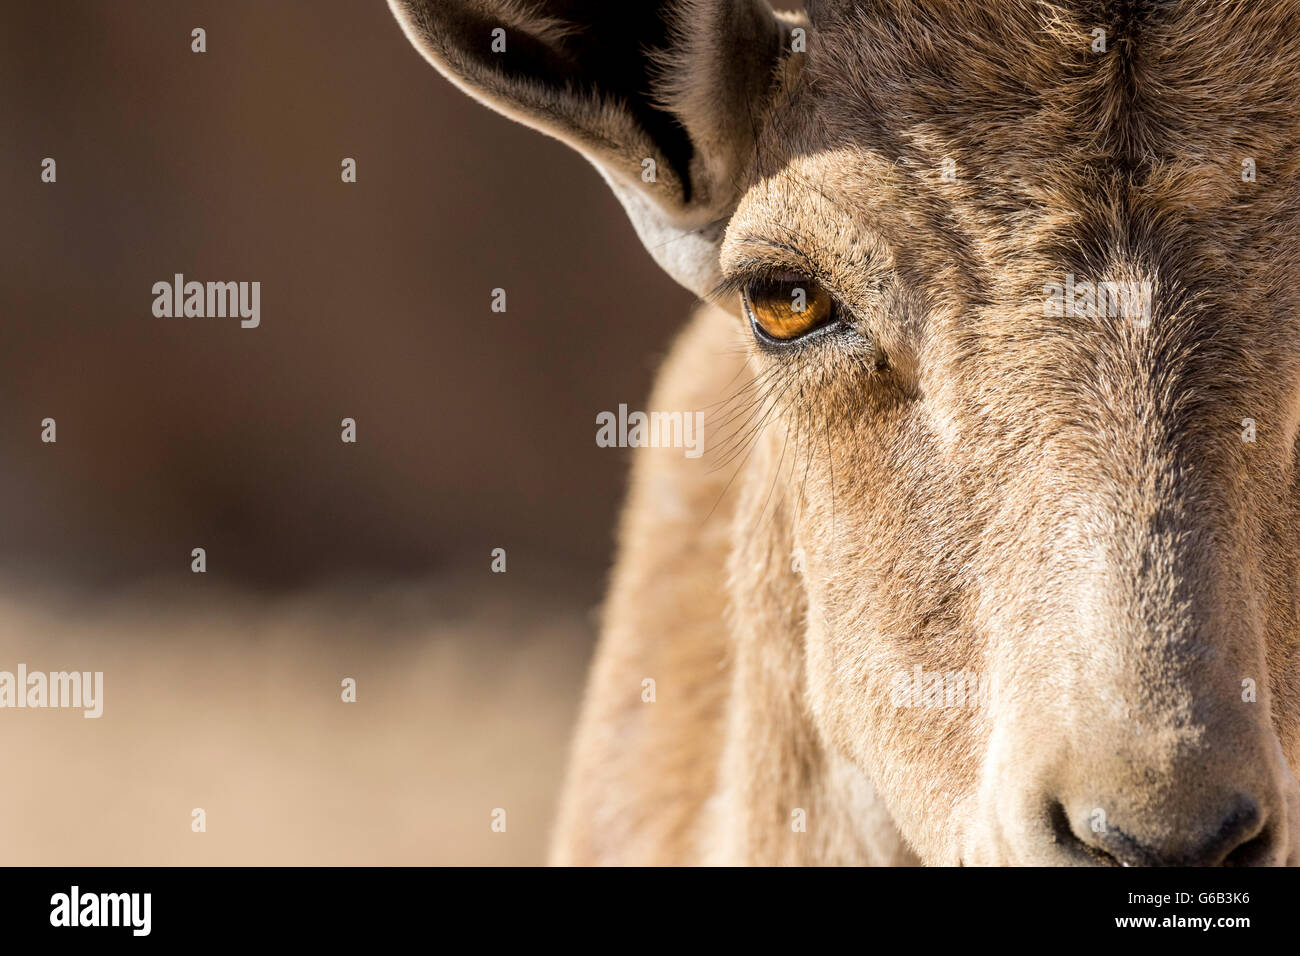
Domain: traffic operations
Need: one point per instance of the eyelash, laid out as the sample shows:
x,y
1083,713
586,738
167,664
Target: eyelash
x,y
736,283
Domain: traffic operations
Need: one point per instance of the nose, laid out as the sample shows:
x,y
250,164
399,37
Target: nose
x,y
1221,832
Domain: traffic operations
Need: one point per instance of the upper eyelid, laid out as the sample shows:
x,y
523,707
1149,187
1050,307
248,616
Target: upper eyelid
x,y
781,257
761,250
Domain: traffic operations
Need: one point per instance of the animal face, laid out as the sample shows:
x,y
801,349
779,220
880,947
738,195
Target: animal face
x,y
1025,354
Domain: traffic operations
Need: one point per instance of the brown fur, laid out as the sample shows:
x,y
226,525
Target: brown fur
x,y
957,480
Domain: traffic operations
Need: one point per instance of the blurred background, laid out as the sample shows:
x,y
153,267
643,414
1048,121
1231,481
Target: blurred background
x,y
325,560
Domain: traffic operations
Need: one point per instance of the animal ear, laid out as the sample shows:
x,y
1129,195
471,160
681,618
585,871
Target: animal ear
x,y
663,96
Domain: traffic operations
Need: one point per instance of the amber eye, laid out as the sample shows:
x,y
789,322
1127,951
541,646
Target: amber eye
x,y
784,307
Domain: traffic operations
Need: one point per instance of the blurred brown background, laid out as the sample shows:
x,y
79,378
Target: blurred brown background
x,y
475,428
325,560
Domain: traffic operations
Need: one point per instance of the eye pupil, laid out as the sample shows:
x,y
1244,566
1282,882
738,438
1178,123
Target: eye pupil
x,y
786,307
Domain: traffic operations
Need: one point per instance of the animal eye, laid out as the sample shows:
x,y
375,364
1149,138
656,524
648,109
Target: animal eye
x,y
785,307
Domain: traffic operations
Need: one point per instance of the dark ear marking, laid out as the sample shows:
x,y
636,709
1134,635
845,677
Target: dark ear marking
x,y
659,94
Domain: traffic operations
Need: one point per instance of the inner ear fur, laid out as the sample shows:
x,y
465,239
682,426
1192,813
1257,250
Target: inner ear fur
x,y
684,83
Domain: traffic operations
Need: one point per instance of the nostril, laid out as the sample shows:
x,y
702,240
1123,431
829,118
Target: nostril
x,y
1241,838
1257,851
1065,837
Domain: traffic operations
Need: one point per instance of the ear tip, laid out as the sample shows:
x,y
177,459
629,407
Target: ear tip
x,y
412,17
426,24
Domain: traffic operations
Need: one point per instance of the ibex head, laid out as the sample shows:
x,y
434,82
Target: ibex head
x,y
1017,280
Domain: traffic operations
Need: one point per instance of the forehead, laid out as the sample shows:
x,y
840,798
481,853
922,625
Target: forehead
x,y
995,148
1034,117
1032,83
